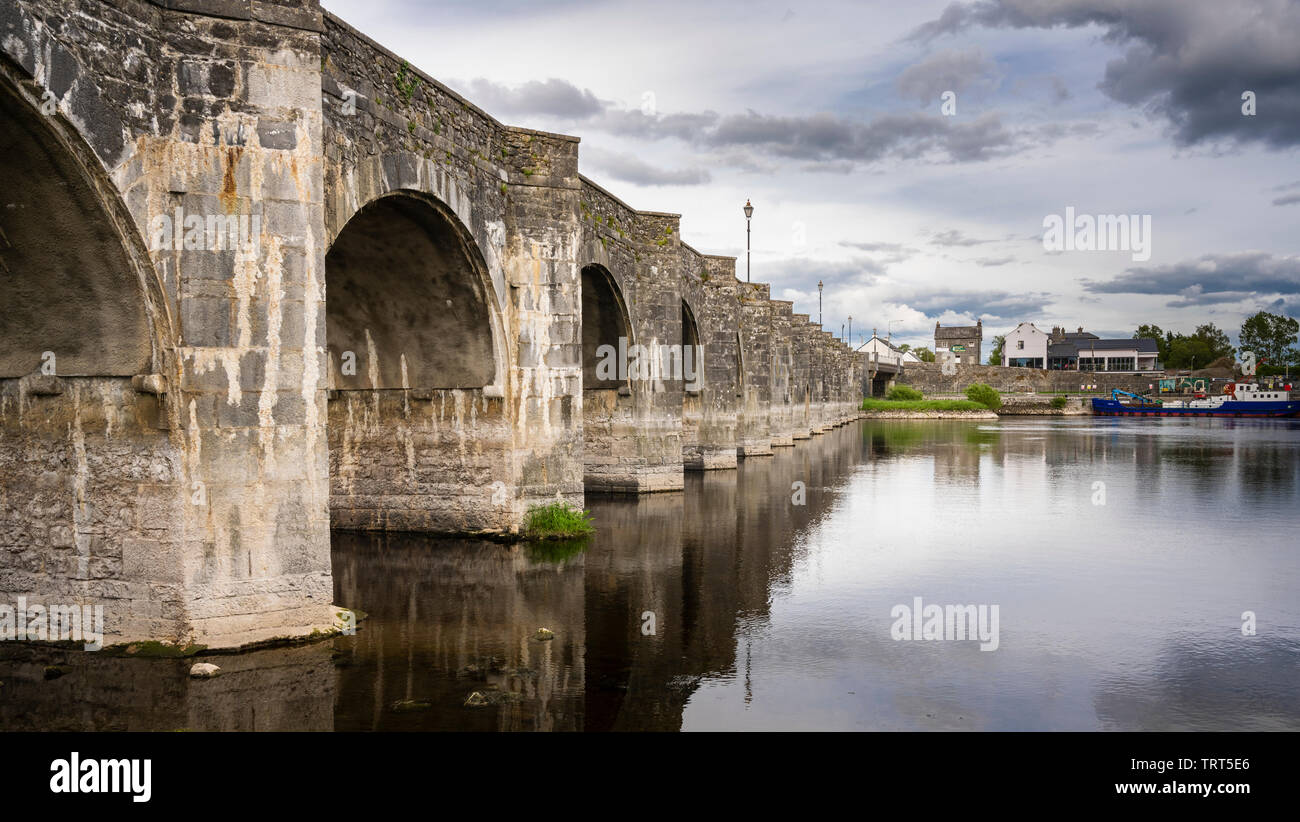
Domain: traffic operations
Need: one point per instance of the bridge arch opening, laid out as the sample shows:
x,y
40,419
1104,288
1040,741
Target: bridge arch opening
x,y
72,283
606,332
418,425
692,354
84,457
408,301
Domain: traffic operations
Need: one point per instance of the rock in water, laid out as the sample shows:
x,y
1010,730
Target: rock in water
x,y
204,670
543,634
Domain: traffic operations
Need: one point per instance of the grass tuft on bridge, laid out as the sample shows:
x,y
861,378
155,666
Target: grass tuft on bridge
x,y
558,520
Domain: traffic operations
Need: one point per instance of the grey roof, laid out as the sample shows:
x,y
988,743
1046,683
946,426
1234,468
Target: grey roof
x,y
1081,335
1143,345
958,331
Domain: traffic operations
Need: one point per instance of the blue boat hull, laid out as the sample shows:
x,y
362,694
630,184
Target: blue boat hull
x,y
1232,408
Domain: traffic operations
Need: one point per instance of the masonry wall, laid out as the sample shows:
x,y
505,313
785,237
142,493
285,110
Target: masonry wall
x,y
213,116
473,458
754,437
803,379
929,378
633,439
781,414
716,444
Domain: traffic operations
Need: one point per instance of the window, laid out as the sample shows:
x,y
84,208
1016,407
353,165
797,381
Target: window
x,y
1020,344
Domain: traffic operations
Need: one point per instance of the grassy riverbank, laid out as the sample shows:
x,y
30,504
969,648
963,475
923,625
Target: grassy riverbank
x,y
921,405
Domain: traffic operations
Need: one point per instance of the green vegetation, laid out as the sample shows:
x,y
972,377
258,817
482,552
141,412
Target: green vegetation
x,y
985,395
902,392
920,405
406,82
1196,350
1059,402
152,649
995,356
558,520
924,354
1272,337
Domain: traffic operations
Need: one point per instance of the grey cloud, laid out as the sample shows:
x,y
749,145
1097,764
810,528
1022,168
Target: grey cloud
x,y
1290,199
806,271
989,262
1185,60
548,98
943,71
891,248
954,237
1060,93
999,305
1210,279
823,142
631,169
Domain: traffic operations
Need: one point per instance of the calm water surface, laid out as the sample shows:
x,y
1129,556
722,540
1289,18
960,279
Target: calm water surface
x,y
730,607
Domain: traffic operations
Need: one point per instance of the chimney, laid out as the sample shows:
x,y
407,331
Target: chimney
x,y
1080,329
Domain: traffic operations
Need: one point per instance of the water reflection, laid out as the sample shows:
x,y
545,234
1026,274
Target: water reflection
x,y
279,689
1122,555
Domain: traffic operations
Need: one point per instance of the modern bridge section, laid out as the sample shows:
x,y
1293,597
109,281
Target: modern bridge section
x,y
262,277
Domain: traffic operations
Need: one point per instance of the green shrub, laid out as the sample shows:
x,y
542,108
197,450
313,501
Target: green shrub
x,y
1059,402
903,392
558,520
985,395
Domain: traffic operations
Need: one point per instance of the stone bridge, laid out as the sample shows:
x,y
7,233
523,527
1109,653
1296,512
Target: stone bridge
x,y
262,277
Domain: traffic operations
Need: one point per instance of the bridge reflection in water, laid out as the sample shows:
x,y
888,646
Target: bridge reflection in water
x,y
729,606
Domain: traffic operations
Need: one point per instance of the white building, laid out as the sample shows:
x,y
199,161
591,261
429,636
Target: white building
x,y
882,350
1026,347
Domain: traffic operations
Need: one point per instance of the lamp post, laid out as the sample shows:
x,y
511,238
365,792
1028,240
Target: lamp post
x,y
850,329
819,302
749,212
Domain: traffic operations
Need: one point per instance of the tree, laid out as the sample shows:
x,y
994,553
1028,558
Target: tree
x,y
1217,340
995,356
1155,332
1271,336
924,354
1188,352
904,347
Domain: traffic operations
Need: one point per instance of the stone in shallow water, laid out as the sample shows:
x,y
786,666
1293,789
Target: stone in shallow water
x,y
543,634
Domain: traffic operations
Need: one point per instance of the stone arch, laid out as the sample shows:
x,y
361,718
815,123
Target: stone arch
x,y
409,302
605,321
75,276
692,352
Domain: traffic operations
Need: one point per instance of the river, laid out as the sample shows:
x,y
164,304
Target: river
x,y
1122,557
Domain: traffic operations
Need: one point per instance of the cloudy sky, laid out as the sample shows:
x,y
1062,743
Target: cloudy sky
x,y
829,117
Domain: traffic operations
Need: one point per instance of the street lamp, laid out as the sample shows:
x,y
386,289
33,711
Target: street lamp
x,y
749,212
850,329
819,302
